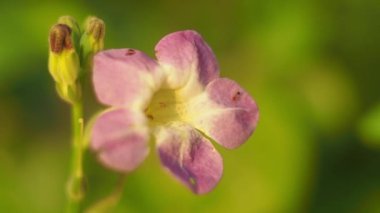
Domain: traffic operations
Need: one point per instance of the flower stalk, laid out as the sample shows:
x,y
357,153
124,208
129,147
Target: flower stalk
x,y
75,184
68,66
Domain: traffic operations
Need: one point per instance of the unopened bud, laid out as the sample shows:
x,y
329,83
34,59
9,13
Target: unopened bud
x,y
60,38
92,40
69,21
74,27
63,61
95,30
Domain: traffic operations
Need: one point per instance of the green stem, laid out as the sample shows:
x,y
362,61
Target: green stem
x,y
75,184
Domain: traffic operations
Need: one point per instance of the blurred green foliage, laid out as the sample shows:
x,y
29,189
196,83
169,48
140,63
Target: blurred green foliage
x,y
312,67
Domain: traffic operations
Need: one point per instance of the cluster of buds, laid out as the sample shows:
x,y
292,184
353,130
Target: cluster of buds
x,y
71,53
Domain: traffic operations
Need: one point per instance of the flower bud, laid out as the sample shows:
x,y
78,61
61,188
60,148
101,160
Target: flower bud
x,y
59,38
69,21
63,61
75,30
92,40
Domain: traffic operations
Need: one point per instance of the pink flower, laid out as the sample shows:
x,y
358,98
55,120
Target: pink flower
x,y
178,99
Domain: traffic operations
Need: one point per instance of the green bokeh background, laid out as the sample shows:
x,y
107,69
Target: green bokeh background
x,y
312,66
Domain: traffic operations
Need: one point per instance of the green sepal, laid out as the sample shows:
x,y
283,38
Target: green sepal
x,y
69,93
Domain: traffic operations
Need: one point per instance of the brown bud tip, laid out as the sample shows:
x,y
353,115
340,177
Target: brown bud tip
x,y
95,27
60,38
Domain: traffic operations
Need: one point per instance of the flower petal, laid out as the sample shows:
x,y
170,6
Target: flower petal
x,y
184,55
125,77
190,157
120,138
226,112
